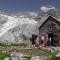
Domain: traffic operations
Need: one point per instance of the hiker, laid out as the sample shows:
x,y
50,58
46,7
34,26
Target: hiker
x,y
42,41
33,40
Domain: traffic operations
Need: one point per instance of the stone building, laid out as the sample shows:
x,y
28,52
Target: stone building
x,y
50,26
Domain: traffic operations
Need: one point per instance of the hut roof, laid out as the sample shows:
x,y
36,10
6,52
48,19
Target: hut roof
x,y
44,19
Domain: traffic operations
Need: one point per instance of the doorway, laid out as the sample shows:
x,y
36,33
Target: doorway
x,y
50,39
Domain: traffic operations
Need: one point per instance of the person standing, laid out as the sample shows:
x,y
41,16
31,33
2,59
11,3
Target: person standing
x,y
42,41
33,40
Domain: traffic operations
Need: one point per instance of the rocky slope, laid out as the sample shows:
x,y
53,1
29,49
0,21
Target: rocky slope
x,y
17,29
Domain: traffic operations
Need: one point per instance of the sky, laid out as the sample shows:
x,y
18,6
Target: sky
x,y
26,5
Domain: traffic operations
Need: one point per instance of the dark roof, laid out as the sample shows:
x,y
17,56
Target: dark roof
x,y
45,19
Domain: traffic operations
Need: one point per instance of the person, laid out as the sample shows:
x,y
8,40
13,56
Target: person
x,y
50,41
33,40
42,42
